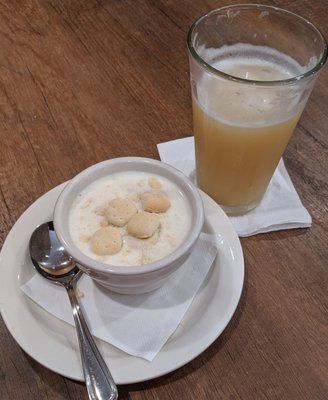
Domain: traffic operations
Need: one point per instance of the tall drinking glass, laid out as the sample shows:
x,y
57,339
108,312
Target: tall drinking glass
x,y
252,69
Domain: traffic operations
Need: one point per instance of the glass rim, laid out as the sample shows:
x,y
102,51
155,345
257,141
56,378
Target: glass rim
x,y
280,82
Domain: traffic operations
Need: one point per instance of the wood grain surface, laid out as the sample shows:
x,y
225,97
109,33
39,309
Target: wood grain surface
x,y
86,80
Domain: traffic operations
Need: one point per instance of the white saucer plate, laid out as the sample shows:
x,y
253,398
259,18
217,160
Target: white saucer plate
x,y
53,343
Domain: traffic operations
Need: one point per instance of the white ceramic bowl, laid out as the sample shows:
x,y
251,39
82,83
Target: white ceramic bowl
x,y
139,278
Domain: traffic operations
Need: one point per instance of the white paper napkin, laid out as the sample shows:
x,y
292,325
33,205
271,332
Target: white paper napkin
x,y
280,208
137,324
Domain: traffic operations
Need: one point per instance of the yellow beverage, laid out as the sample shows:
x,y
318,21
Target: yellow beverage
x,y
241,132
235,164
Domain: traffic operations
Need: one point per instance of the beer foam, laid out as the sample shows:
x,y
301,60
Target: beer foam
x,y
259,70
247,104
224,58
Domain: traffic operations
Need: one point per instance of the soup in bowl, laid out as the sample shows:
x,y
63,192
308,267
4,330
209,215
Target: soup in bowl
x,y
129,222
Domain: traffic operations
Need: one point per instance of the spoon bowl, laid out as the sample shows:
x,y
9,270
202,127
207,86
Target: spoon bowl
x,y
49,257
53,263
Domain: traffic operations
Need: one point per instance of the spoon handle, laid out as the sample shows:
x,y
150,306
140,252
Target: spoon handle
x,y
99,381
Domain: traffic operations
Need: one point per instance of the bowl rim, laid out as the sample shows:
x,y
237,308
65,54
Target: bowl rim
x,y
87,263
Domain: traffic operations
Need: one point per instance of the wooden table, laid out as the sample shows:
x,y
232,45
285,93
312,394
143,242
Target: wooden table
x,y
84,81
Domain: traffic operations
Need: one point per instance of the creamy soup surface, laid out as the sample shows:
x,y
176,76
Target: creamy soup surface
x,y
89,214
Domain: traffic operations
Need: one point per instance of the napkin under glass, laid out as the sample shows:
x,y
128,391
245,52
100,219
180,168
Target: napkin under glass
x,y
280,208
137,324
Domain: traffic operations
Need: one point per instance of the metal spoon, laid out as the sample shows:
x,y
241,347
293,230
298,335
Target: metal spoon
x,y
53,263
